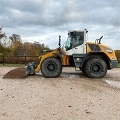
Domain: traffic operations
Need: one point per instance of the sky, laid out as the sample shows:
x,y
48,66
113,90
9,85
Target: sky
x,y
44,20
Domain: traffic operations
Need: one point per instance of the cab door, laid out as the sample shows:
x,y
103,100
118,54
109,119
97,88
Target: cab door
x,y
78,41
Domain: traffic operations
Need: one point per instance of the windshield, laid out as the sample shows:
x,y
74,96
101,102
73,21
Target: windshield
x,y
68,44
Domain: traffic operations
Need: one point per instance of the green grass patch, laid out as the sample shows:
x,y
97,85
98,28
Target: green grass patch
x,y
119,65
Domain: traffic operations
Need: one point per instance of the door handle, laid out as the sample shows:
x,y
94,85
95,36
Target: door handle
x,y
76,48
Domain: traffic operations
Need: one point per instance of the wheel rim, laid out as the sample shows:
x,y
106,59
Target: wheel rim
x,y
51,67
96,68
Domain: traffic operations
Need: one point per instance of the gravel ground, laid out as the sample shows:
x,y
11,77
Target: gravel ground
x,y
72,96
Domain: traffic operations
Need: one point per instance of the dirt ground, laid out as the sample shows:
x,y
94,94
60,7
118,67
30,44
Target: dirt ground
x,y
72,96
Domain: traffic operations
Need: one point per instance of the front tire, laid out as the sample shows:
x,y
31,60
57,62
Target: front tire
x,y
51,67
95,68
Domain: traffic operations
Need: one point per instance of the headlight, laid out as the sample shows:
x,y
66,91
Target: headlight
x,y
108,50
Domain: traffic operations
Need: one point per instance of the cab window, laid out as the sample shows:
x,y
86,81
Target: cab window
x,y
79,39
74,39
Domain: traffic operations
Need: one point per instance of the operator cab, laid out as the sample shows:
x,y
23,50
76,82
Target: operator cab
x,y
75,42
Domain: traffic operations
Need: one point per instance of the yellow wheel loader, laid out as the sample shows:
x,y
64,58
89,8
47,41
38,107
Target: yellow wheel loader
x,y
92,58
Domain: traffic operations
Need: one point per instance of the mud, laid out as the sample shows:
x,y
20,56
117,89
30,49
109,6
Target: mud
x,y
16,73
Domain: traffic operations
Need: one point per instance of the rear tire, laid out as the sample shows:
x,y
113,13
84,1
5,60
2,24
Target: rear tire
x,y
51,67
95,68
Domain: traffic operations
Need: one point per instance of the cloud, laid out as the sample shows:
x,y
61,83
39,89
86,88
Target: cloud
x,y
49,18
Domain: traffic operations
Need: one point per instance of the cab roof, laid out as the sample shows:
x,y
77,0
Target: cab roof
x,y
77,31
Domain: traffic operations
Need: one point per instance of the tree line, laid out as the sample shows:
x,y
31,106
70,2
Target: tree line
x,y
14,46
117,52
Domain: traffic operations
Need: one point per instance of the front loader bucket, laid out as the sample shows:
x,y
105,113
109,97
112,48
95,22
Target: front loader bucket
x,y
21,72
30,68
16,73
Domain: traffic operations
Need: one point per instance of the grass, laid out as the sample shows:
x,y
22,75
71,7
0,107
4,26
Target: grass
x,y
119,65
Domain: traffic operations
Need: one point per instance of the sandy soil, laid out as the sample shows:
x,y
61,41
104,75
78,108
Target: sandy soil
x,y
72,96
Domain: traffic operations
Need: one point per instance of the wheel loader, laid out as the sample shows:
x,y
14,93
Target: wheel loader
x,y
92,58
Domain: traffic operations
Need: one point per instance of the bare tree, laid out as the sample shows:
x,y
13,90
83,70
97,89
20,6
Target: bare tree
x,y
15,38
2,35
